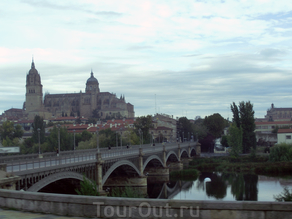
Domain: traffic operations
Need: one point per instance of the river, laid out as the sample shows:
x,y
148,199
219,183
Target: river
x,y
233,187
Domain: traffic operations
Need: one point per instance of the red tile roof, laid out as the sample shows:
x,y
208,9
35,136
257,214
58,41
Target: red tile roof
x,y
285,131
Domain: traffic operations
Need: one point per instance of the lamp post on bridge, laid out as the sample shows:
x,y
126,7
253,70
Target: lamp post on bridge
x,y
39,142
121,138
74,140
188,136
183,137
140,136
59,148
97,142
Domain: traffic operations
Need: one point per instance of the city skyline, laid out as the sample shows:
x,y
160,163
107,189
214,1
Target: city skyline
x,y
190,58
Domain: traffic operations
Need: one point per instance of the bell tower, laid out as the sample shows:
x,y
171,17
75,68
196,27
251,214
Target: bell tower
x,y
34,90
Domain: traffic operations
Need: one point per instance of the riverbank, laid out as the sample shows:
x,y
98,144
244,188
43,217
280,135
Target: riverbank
x,y
258,164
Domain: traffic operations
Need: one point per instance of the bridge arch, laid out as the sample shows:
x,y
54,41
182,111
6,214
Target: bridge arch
x,y
152,157
184,151
193,152
172,153
115,166
53,178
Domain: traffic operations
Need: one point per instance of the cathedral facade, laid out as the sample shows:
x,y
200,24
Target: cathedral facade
x,y
92,101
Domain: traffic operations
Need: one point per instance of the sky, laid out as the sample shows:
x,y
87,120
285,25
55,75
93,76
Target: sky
x,y
182,58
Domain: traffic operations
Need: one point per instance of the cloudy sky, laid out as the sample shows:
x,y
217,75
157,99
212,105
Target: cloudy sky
x,y
182,58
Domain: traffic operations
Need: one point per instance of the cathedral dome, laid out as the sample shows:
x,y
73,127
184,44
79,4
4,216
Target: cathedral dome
x,y
92,84
33,77
92,79
33,69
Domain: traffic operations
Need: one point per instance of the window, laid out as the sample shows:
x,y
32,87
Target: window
x,y
288,136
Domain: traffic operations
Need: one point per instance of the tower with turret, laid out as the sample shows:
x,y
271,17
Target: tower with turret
x,y
34,90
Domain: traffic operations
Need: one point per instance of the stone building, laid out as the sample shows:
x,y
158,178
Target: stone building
x,y
164,125
278,114
104,104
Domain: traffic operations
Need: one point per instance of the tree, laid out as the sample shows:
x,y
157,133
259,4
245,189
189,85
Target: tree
x,y
200,130
243,116
91,121
87,187
234,139
236,115
66,140
184,127
10,134
224,141
215,124
86,135
95,114
7,130
144,123
38,123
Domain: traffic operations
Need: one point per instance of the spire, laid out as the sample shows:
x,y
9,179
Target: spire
x,y
91,73
32,63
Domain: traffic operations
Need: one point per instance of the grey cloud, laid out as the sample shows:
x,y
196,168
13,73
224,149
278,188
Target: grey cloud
x,y
270,52
71,6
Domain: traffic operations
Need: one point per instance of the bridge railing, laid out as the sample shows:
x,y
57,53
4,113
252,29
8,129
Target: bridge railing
x,y
85,155
17,166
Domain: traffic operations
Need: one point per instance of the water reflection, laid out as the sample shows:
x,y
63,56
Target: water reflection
x,y
230,186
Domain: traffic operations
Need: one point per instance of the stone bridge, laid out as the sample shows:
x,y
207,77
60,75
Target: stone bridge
x,y
108,168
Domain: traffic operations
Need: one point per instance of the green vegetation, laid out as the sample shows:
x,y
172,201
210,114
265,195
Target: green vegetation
x,y
144,123
127,192
242,164
87,187
234,140
243,117
10,134
188,174
281,152
285,196
215,124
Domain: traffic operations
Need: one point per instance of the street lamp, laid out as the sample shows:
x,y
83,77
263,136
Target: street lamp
x,y
116,139
39,141
59,149
74,139
121,138
97,145
188,136
140,136
183,136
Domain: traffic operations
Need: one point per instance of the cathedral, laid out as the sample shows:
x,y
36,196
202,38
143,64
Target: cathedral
x,y
102,104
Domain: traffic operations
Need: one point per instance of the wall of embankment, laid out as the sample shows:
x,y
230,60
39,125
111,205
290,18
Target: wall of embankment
x,y
109,207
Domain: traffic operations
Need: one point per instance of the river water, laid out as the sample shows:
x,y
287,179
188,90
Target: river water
x,y
233,187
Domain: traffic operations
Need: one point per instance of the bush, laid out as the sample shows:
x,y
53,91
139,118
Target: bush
x,y
285,196
127,192
281,152
87,187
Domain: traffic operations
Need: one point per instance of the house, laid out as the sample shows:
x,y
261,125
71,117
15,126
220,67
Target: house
x,y
284,136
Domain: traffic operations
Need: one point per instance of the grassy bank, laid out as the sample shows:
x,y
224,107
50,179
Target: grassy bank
x,y
242,164
187,174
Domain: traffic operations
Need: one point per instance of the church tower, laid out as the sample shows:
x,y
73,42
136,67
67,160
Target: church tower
x,y
92,85
34,90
